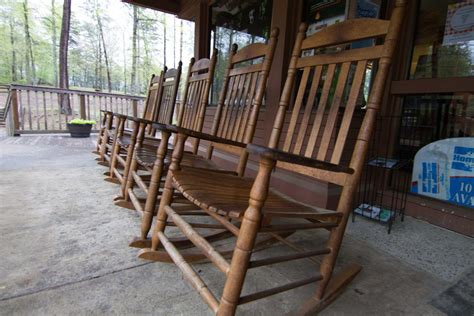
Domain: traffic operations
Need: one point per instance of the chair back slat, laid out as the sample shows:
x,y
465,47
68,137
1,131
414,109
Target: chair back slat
x,y
168,94
242,100
196,93
296,108
243,90
151,97
240,131
349,111
322,91
308,110
333,112
320,111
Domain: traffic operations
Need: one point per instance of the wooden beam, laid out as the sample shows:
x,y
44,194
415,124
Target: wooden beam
x,y
202,30
167,6
439,85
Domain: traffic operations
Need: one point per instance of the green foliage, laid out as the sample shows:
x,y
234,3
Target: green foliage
x,y
86,56
82,122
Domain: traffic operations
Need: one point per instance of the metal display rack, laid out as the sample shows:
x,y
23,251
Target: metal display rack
x,y
384,185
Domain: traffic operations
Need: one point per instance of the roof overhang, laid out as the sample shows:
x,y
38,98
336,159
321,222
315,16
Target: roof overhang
x,y
167,6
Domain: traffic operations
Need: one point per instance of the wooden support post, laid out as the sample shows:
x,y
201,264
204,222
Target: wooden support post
x,y
16,120
286,15
202,30
134,108
82,106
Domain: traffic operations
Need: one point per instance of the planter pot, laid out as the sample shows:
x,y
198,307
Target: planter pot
x,y
80,130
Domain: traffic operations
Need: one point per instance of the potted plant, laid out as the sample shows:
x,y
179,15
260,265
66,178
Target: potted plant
x,y
80,127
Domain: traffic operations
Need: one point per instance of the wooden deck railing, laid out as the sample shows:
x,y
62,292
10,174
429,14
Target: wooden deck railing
x,y
35,109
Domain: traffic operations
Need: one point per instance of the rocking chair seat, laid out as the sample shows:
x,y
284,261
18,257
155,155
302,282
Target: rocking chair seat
x,y
146,156
228,195
124,141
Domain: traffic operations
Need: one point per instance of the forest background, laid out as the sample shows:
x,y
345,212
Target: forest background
x,y
111,46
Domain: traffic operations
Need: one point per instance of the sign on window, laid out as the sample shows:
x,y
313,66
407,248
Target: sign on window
x,y
445,170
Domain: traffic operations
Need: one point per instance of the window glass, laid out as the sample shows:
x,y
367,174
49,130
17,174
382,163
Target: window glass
x,y
431,117
237,22
444,40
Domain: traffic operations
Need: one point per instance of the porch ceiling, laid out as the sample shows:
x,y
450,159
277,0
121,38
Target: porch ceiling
x,y
168,6
184,9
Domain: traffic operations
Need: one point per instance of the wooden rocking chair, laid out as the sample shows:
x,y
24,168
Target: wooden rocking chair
x,y
108,129
235,120
191,114
313,145
124,144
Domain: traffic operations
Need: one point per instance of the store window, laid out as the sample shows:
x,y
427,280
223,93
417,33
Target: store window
x,y
444,40
428,118
443,47
237,22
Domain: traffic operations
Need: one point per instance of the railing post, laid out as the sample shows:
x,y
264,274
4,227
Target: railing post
x,y
16,119
82,102
135,108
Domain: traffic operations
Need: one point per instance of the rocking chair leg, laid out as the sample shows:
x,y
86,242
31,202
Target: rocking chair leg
x,y
113,160
126,185
108,119
99,141
162,216
103,145
168,191
115,148
334,243
128,161
154,186
245,241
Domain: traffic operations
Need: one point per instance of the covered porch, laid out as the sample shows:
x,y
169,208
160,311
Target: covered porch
x,y
64,251
65,241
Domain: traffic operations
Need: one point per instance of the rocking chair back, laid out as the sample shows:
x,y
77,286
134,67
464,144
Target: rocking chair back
x,y
328,91
154,87
242,95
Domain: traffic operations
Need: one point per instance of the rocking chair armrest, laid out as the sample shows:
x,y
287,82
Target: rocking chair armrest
x,y
279,155
204,136
139,120
107,112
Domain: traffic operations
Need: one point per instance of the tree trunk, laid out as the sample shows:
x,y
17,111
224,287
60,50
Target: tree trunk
x,y
181,40
101,34
100,77
63,51
174,42
54,39
96,70
12,42
133,75
164,40
124,66
30,62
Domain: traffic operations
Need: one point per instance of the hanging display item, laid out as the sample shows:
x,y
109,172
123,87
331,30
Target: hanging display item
x,y
445,170
459,23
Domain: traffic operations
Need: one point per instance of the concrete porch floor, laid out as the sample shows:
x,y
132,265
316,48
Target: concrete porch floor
x,y
63,246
